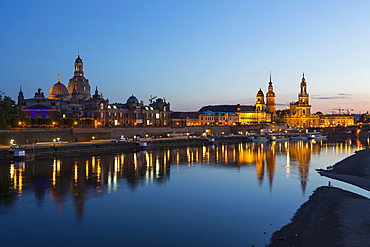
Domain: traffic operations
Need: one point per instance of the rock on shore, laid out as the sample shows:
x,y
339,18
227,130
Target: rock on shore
x,y
331,217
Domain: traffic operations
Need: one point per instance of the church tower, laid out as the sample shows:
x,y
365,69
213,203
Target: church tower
x,y
20,97
270,98
78,86
303,107
260,101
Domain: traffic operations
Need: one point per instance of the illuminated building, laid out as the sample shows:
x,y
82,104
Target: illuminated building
x,y
230,115
77,103
271,100
185,119
218,118
334,120
247,114
299,114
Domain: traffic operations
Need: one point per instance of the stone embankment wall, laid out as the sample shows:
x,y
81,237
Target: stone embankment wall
x,y
104,146
37,135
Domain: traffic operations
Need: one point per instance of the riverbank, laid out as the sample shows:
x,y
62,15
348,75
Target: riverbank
x,y
332,216
51,148
354,170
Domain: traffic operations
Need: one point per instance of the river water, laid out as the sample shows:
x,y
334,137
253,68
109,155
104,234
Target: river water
x,y
234,194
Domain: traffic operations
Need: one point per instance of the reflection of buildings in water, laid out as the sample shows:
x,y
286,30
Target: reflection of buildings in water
x,y
262,155
11,183
300,154
83,176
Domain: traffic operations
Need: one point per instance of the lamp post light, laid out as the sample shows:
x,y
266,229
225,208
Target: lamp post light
x,y
54,141
93,138
58,139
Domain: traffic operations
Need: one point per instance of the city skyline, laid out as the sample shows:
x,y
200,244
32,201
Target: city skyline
x,y
192,53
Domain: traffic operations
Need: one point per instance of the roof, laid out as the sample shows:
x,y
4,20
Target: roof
x,y
227,108
183,115
219,113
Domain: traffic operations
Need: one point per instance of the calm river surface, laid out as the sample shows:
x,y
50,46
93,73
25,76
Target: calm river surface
x,y
220,195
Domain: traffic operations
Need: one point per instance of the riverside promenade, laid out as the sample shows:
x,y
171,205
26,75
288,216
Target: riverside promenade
x,y
51,148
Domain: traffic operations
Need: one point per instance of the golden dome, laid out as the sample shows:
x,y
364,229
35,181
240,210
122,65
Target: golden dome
x,y
58,92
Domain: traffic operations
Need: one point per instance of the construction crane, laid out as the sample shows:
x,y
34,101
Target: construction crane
x,y
151,98
341,110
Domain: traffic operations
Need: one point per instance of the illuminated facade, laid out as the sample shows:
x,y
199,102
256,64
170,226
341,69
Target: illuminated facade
x,y
334,120
77,103
218,118
271,100
261,112
185,119
299,113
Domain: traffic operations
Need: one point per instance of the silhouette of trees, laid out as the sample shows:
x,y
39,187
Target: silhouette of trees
x,y
8,110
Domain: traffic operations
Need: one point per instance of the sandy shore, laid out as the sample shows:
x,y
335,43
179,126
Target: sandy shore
x,y
355,170
332,216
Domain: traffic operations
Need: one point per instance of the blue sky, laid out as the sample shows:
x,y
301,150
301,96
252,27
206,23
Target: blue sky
x,y
192,53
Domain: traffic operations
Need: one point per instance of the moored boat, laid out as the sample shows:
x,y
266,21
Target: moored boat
x,y
261,138
279,138
316,136
298,138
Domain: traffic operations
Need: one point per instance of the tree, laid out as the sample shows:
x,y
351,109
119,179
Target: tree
x,y
8,110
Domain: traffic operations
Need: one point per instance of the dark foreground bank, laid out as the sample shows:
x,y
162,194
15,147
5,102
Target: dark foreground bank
x,y
331,217
354,170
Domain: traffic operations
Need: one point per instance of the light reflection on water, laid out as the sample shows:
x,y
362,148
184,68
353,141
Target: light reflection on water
x,y
225,194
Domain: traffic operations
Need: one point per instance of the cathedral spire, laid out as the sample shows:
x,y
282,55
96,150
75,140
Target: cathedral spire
x,y
270,77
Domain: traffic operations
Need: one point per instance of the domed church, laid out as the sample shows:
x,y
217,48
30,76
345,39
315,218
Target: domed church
x,y
75,101
78,86
59,92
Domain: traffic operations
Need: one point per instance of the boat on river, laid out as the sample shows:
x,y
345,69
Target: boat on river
x,y
260,138
298,138
316,136
19,154
144,144
279,138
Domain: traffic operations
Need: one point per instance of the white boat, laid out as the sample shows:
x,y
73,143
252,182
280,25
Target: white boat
x,y
316,136
144,145
279,138
260,138
211,140
298,138
20,154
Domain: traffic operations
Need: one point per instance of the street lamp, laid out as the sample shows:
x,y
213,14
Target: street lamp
x,y
93,138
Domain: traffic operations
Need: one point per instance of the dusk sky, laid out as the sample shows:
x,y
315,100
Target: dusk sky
x,y
192,53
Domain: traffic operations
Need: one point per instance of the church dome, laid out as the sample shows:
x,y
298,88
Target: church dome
x,y
78,59
132,100
58,92
260,93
